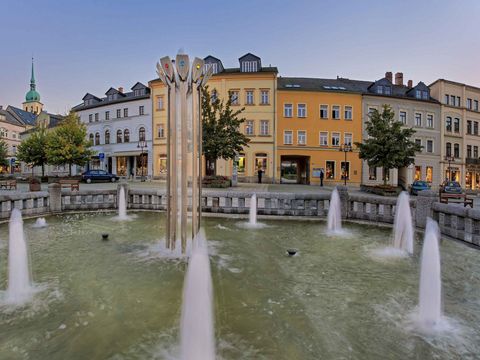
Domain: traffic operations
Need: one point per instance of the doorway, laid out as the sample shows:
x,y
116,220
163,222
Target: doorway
x,y
294,169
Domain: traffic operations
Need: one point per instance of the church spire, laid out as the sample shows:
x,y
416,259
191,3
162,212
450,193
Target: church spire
x,y
32,80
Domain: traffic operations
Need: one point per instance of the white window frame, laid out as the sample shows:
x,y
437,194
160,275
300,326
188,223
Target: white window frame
x,y
348,112
285,107
426,146
339,112
320,138
304,135
432,117
417,118
265,97
250,124
338,137
324,117
345,136
304,107
400,116
249,97
265,130
290,132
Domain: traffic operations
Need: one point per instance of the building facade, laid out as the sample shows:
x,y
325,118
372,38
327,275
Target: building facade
x,y
415,108
10,129
119,126
460,131
251,86
316,118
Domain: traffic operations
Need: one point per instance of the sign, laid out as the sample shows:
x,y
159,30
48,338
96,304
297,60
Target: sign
x,y
316,172
101,156
12,161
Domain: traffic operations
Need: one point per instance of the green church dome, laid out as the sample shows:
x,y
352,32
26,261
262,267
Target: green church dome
x,y
32,95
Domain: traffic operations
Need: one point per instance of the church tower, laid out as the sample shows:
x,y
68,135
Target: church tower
x,y
32,98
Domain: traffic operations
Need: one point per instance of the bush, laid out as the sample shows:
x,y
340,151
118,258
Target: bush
x,y
383,190
216,182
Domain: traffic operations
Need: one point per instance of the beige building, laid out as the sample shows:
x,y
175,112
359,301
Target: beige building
x,y
250,86
460,131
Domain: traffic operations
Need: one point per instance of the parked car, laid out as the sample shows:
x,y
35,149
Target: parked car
x,y
98,175
451,187
419,185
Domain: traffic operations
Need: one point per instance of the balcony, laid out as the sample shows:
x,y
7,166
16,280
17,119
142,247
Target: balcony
x,y
472,161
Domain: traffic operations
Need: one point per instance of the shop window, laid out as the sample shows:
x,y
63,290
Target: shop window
x,y
330,170
372,173
261,162
345,166
162,164
418,173
429,174
241,164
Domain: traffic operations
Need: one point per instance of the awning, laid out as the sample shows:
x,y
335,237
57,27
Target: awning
x,y
128,153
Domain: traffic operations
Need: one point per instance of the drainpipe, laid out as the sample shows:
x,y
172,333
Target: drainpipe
x,y
274,129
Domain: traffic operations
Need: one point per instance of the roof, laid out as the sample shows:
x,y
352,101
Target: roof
x,y
25,117
129,96
9,118
475,88
54,120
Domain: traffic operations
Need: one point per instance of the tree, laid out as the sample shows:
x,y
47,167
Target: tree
x,y
389,143
68,143
3,153
33,150
220,130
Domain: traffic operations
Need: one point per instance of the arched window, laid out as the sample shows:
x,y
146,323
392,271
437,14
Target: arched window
x,y
141,134
97,138
90,137
119,136
126,136
107,137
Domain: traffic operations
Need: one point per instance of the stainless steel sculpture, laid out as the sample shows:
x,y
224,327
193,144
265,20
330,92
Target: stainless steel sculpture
x,y
184,144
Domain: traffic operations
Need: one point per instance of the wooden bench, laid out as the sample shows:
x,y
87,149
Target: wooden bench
x,y
444,198
8,184
72,184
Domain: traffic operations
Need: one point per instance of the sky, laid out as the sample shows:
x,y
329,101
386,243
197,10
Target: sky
x,y
91,45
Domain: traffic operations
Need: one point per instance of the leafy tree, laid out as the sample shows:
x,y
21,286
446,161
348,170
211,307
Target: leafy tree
x,y
3,153
389,143
68,143
33,150
220,126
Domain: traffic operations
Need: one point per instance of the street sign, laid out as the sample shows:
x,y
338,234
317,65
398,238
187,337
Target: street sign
x,y
12,161
101,156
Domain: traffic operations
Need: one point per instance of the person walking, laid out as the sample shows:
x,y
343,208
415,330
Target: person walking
x,y
260,172
322,175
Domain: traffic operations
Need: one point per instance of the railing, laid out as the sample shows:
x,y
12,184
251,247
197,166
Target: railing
x,y
374,208
89,200
458,222
34,203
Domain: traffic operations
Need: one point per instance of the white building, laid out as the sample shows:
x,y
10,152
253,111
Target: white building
x,y
118,125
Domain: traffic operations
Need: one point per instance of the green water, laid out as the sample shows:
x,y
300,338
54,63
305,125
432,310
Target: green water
x,y
336,299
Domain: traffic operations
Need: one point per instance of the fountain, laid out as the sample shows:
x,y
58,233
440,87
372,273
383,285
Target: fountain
x,y
252,217
335,213
403,228
122,205
430,294
197,339
19,288
40,223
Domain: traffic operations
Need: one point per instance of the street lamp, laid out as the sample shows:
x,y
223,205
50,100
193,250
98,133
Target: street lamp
x,y
345,148
142,144
450,159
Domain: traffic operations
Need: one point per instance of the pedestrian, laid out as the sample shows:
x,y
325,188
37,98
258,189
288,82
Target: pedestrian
x,y
322,175
260,172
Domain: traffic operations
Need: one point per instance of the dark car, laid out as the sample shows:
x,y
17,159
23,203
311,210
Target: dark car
x,y
98,175
419,185
451,187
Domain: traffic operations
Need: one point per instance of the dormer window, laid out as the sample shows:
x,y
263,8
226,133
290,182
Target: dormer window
x,y
418,94
214,67
249,66
425,95
112,97
139,92
388,90
379,89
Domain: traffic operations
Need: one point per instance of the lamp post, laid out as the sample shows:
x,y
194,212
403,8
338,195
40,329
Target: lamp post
x,y
142,144
450,159
345,148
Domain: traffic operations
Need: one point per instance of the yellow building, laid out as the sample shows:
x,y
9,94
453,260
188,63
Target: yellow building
x,y
315,119
250,86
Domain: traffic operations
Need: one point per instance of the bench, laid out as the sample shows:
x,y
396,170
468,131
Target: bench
x,y
8,184
444,198
72,184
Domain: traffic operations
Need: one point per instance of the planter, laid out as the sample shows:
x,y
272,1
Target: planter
x,y
381,190
35,187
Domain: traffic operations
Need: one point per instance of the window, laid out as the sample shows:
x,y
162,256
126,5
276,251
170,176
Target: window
x,y
469,104
448,149
456,125
241,163
418,173
388,90
469,127
418,119
141,134
348,139
287,110
96,116
302,137
90,138
323,111
372,173
139,92
107,137
323,138
380,89
345,167
446,99
141,110
233,97
330,169
159,103
335,139
469,151
429,174
475,105
430,146
125,112
475,128
264,127
213,66
90,118
107,115
475,152
429,120
261,162
119,136
418,94
160,130
265,97
119,113
288,137
458,101
348,113
448,124
97,138
126,136
249,66
425,95
249,127
301,110
403,117
371,110
418,142
335,112
456,150
162,164
452,100
249,97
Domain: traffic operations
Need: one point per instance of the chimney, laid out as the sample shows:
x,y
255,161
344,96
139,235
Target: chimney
x,y
120,89
410,84
398,78
1,107
389,76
